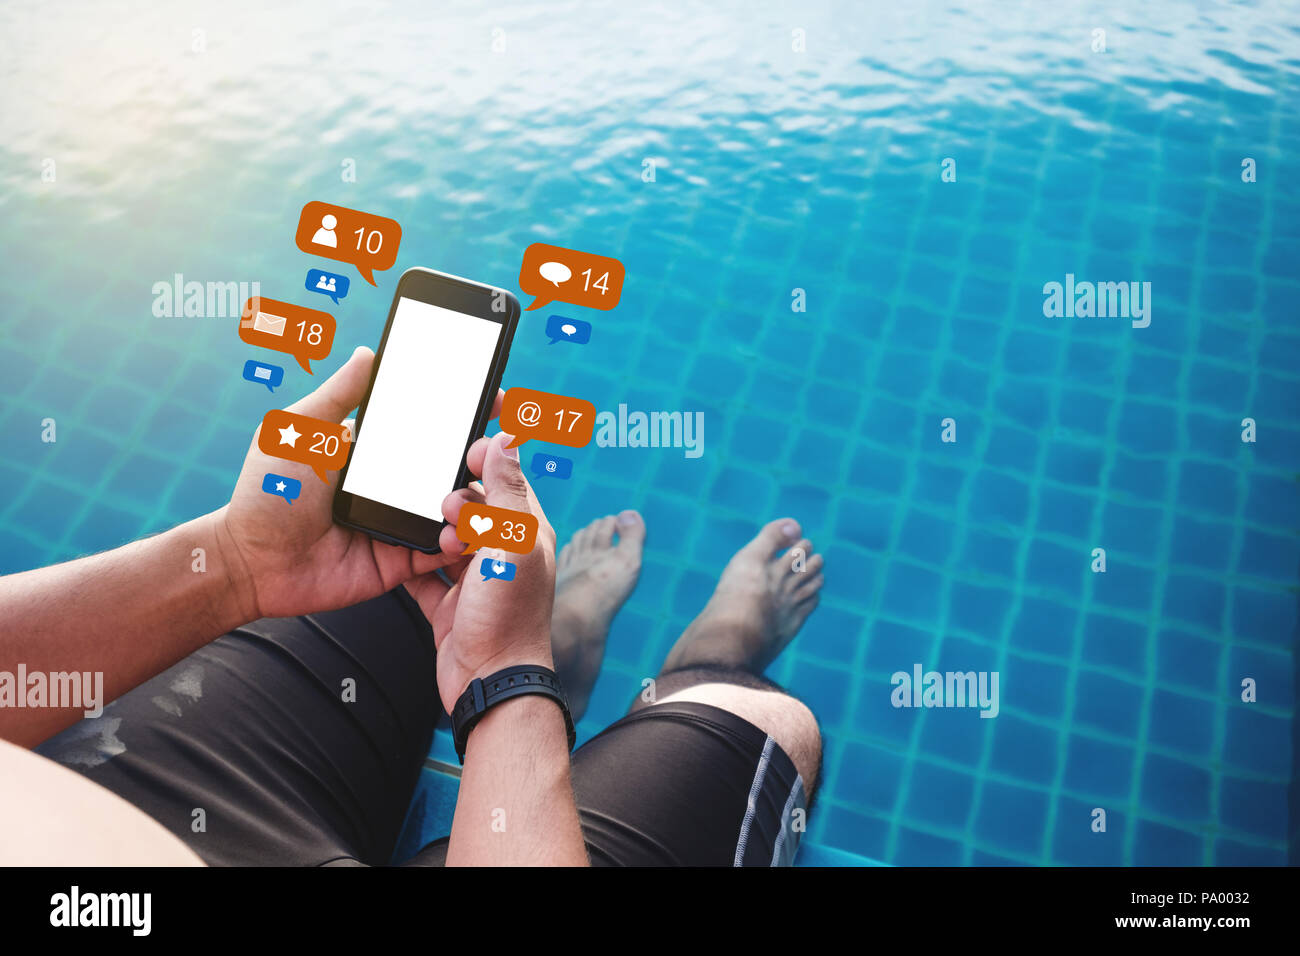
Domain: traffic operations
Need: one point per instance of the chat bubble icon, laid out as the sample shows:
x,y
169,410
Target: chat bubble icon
x,y
527,413
487,526
554,273
263,373
327,283
319,444
363,239
561,328
282,487
306,334
496,569
551,466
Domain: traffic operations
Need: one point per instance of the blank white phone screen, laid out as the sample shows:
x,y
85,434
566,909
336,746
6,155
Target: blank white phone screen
x,y
411,441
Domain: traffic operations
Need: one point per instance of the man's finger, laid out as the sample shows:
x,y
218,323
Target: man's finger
x,y
422,563
459,567
503,479
474,457
342,391
452,504
448,541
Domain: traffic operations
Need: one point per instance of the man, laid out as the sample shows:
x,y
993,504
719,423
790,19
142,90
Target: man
x,y
298,738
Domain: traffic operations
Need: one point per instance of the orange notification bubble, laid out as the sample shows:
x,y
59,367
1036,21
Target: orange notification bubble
x,y
527,413
314,442
367,241
305,334
487,526
553,273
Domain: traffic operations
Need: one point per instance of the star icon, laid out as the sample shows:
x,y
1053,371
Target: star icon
x,y
279,486
289,435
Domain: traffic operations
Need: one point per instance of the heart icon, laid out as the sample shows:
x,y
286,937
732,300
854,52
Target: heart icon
x,y
480,523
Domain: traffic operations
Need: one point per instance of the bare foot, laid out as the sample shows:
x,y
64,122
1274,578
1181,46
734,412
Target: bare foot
x,y
593,577
759,605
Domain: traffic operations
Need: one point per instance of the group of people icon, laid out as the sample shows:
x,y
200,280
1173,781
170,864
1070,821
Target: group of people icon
x,y
326,283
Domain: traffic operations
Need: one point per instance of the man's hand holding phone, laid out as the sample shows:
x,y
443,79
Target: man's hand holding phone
x,y
284,559
484,623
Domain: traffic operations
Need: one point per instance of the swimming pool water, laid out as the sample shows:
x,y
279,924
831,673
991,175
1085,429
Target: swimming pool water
x,y
187,152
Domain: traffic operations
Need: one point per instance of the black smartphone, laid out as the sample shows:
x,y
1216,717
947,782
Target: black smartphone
x,y
435,379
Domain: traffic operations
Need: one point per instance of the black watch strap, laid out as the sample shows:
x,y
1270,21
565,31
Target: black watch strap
x,y
486,692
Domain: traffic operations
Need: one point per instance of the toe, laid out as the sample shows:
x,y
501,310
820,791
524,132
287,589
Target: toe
x,y
801,550
631,531
808,585
774,536
806,606
602,532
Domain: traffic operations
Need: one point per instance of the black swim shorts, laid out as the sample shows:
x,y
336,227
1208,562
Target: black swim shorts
x,y
299,741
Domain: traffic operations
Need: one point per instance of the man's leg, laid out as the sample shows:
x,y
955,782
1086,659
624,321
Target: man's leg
x,y
594,575
784,718
718,765
758,607
292,741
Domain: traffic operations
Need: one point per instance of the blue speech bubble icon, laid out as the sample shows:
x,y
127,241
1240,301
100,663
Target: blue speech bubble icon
x,y
327,283
263,373
287,488
551,466
496,568
560,328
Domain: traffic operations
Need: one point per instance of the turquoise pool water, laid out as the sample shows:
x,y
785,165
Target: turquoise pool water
x,y
184,152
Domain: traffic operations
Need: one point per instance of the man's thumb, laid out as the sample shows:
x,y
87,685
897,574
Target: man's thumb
x,y
503,479
342,391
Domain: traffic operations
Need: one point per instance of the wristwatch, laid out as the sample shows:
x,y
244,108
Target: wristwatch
x,y
483,693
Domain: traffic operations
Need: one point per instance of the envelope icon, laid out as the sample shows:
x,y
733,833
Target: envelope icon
x,y
268,323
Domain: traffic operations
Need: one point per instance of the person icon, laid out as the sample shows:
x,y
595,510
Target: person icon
x,y
322,284
330,287
325,234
